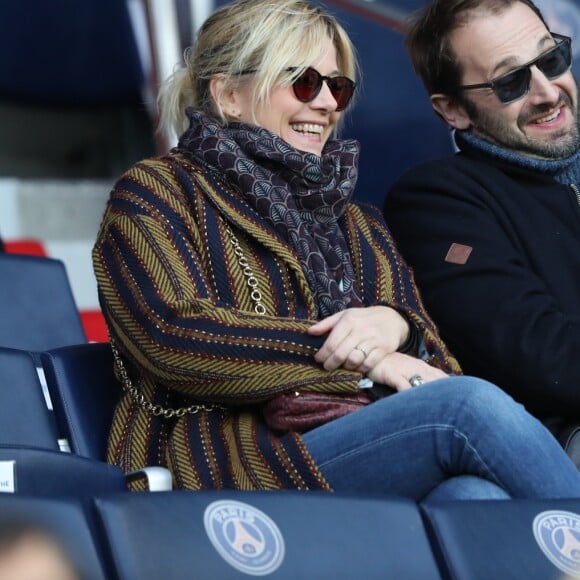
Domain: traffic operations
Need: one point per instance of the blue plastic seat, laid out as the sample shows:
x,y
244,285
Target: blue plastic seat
x,y
84,392
30,455
281,535
82,385
25,418
481,540
65,524
38,472
37,307
29,440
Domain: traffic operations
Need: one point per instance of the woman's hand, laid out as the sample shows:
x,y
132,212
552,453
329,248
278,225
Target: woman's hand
x,y
359,338
396,369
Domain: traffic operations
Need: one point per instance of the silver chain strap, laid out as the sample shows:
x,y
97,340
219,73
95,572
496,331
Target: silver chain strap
x,y
251,280
167,412
148,406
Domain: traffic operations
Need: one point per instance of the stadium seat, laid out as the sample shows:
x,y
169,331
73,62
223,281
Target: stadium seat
x,y
37,307
38,472
30,458
481,540
65,523
289,535
25,418
84,392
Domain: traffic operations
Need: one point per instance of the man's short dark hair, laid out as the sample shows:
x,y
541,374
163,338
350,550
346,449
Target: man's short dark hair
x,y
428,39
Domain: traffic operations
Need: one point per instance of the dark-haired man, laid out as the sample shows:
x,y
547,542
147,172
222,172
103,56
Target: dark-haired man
x,y
493,232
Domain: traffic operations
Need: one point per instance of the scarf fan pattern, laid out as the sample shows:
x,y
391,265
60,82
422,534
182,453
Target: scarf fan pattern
x,y
300,194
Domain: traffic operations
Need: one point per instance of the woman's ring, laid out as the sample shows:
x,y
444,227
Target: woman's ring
x,y
362,350
416,380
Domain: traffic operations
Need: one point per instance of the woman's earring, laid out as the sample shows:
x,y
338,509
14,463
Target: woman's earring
x,y
233,115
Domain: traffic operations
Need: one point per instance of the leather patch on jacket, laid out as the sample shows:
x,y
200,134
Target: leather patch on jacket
x,y
458,254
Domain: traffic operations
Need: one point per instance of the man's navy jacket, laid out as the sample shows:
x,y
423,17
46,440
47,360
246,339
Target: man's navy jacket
x,y
496,254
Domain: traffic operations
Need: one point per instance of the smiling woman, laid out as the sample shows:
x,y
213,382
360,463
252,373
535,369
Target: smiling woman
x,y
258,314
242,60
304,116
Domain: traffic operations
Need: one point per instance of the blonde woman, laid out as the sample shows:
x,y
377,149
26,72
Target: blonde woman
x,y
235,272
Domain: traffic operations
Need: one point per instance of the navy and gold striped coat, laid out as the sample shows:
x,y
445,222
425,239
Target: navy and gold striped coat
x,y
178,306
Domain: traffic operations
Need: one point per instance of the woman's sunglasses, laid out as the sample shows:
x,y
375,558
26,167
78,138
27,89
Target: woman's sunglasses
x,y
307,86
309,83
515,84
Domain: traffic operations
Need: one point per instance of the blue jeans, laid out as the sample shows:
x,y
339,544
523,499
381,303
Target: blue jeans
x,y
455,438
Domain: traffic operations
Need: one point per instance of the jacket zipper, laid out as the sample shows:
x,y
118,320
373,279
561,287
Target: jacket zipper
x,y
576,191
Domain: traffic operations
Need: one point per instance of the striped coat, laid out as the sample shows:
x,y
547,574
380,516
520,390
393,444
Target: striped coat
x,y
178,305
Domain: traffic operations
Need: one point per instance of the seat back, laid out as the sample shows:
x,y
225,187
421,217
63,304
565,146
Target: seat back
x,y
67,530
25,419
30,459
286,535
479,540
37,307
47,473
84,391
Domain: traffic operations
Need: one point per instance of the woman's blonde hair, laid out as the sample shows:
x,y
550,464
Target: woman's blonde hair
x,y
265,36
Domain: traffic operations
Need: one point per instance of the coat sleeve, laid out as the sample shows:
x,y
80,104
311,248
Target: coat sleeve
x,y
161,305
495,313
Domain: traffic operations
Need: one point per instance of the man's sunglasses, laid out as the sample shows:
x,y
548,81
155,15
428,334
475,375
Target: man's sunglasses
x,y
308,85
513,85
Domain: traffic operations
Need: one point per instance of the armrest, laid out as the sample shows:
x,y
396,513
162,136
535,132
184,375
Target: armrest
x,y
158,478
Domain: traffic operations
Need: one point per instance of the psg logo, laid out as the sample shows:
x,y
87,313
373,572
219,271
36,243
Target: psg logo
x,y
558,535
244,537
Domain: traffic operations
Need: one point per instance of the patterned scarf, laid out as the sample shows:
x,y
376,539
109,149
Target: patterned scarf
x,y
300,194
